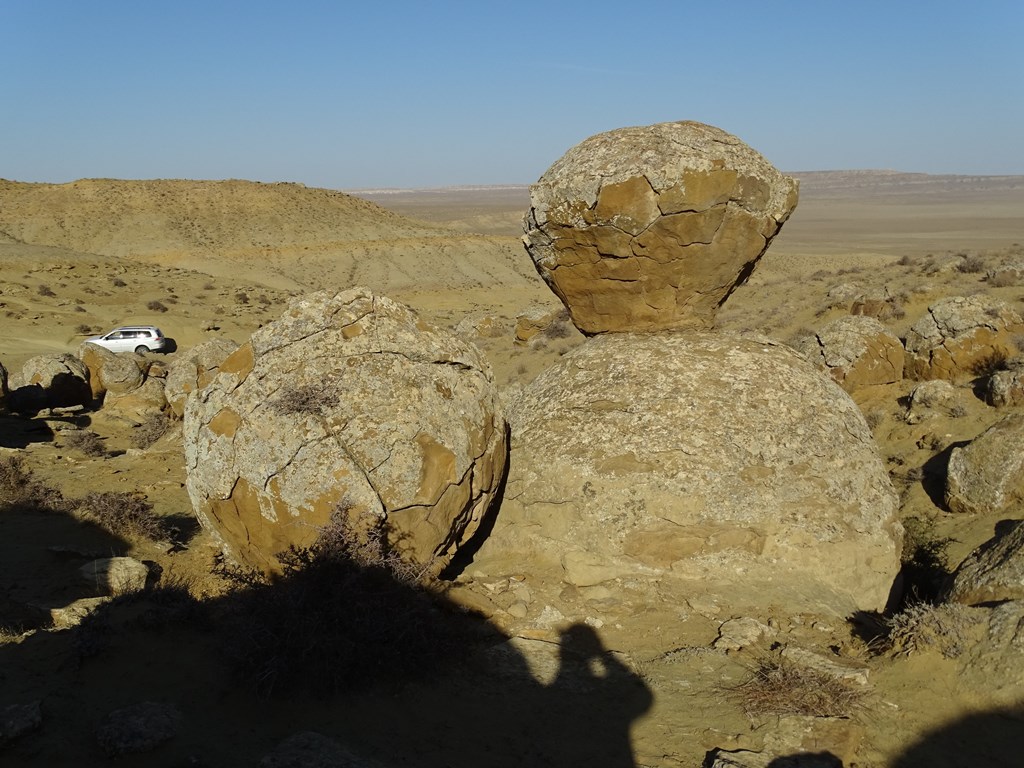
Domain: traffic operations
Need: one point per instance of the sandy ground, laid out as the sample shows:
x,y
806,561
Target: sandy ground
x,y
506,699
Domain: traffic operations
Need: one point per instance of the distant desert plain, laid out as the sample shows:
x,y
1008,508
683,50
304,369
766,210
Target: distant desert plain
x,y
205,260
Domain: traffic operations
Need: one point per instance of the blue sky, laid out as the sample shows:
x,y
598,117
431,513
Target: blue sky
x,y
351,95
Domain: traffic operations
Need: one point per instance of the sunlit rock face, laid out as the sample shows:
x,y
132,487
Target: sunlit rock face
x,y
652,228
347,403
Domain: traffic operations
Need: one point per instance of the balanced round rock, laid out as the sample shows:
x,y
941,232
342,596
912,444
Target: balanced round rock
x,y
346,404
652,228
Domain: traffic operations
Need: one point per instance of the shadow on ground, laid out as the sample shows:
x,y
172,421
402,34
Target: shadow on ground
x,y
397,675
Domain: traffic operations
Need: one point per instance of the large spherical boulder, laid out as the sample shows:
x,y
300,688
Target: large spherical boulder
x,y
347,403
696,464
962,337
651,228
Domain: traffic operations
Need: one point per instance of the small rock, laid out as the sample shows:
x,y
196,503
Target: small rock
x,y
138,728
116,575
739,633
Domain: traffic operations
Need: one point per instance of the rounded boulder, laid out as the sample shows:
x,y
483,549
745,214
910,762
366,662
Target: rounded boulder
x,y
652,228
347,404
698,463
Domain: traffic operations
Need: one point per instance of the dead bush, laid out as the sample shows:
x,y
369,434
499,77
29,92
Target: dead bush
x,y
971,265
127,515
920,626
779,686
924,557
155,306
45,290
20,489
345,611
149,431
86,442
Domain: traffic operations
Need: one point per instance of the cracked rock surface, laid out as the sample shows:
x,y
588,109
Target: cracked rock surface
x,y
693,462
959,337
857,351
652,228
348,400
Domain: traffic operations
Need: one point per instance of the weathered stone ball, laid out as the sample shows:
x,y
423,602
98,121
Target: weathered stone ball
x,y
347,404
652,228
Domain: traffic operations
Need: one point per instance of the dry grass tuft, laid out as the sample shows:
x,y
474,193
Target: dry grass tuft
x,y
124,514
86,442
779,686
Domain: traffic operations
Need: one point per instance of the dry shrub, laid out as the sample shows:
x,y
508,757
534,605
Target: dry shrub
x,y
155,306
117,282
45,290
997,360
945,628
345,611
86,442
779,686
149,431
971,264
924,557
126,515
20,489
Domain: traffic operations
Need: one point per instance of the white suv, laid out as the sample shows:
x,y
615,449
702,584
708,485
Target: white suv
x,y
131,338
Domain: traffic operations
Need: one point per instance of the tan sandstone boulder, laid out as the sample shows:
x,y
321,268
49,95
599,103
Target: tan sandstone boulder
x,y
57,381
987,474
347,402
697,463
856,351
652,228
194,371
961,337
992,573
1006,387
117,373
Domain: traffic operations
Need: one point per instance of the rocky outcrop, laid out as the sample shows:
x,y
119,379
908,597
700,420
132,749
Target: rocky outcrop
x,y
994,572
697,463
652,228
194,371
346,404
961,338
51,381
856,351
110,371
987,474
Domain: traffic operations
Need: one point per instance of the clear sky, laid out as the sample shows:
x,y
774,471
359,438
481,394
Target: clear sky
x,y
396,93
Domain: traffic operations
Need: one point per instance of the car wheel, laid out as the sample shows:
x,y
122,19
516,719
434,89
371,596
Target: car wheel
x,y
141,349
